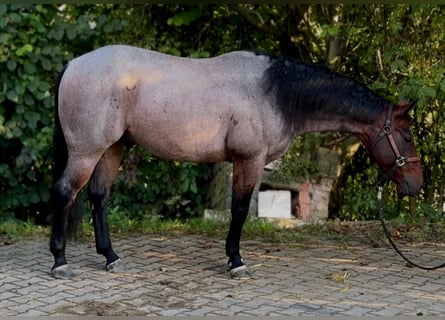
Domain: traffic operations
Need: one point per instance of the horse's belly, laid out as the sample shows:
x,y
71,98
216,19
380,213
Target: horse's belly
x,y
187,141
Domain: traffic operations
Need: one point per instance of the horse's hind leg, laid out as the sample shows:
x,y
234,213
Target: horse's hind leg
x,y
98,192
64,194
245,175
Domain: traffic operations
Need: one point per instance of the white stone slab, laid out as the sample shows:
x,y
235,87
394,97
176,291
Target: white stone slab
x,y
274,204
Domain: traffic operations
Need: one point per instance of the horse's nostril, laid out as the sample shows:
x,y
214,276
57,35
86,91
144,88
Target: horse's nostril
x,y
411,186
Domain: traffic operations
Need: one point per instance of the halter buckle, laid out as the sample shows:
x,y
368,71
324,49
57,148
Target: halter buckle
x,y
400,162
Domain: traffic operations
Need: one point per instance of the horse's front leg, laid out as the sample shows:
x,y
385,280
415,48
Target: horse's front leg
x,y
98,192
245,175
239,209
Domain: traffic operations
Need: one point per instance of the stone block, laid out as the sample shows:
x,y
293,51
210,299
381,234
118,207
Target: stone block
x,y
274,204
319,210
217,215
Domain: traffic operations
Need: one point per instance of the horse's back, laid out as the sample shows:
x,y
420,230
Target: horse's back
x,y
113,60
177,108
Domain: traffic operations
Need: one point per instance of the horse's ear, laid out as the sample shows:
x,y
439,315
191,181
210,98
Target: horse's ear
x,y
404,106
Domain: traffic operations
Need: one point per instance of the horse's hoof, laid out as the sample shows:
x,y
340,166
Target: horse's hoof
x,y
62,272
116,266
240,273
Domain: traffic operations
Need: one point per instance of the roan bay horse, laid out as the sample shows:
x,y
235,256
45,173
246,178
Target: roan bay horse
x,y
243,107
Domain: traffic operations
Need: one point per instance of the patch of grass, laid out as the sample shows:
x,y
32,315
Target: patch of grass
x,y
365,233
14,230
122,226
198,225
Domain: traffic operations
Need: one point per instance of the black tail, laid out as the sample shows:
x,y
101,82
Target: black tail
x,y
60,158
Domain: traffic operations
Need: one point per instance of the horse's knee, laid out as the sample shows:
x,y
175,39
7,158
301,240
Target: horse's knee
x,y
62,193
98,195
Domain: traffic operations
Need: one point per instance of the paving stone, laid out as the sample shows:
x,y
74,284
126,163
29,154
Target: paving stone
x,y
34,313
186,275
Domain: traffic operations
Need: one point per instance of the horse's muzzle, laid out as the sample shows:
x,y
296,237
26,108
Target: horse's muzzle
x,y
409,186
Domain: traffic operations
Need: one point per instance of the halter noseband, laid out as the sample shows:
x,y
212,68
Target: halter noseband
x,y
400,160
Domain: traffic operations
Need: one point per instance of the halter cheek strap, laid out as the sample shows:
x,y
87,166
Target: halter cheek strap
x,y
400,160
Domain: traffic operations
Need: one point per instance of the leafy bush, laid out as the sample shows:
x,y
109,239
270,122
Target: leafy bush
x,y
148,185
30,55
35,43
300,161
397,49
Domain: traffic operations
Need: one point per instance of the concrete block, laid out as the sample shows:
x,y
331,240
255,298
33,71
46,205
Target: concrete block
x,y
274,204
217,215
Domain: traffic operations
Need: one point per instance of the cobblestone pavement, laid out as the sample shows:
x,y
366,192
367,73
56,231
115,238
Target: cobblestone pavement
x,y
186,275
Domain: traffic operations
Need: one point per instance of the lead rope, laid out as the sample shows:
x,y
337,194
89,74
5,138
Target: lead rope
x,y
389,237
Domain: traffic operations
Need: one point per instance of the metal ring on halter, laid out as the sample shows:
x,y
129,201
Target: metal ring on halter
x,y
386,130
400,162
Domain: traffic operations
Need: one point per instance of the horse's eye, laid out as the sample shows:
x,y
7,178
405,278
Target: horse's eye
x,y
408,139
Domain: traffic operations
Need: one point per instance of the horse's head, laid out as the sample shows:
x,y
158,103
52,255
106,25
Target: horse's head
x,y
394,152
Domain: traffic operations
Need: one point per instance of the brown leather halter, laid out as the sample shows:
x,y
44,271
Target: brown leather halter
x,y
400,160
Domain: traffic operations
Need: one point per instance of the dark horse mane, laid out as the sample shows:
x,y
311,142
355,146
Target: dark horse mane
x,y
302,90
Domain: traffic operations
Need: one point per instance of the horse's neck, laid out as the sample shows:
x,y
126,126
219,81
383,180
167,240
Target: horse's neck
x,y
364,131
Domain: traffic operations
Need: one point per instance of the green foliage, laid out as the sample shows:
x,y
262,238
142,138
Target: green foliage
x,y
148,185
403,43
36,41
301,160
12,230
25,104
396,49
358,189
185,18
